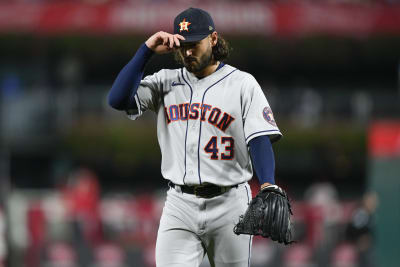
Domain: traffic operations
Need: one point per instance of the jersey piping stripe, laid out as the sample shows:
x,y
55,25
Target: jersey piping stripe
x,y
138,102
201,111
247,191
248,202
135,111
248,260
267,131
187,122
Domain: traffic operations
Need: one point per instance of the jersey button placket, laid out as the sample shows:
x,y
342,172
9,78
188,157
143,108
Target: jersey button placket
x,y
192,143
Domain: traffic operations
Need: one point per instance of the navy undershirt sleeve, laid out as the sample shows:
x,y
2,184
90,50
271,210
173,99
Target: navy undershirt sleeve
x,y
127,82
262,155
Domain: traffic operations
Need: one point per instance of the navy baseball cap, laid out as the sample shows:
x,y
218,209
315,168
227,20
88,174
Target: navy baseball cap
x,y
194,24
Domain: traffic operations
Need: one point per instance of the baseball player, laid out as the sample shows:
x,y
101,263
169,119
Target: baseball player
x,y
213,124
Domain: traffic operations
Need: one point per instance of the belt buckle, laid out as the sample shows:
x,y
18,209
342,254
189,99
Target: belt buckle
x,y
196,188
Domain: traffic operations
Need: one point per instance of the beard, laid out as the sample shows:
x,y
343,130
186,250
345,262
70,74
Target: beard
x,y
194,65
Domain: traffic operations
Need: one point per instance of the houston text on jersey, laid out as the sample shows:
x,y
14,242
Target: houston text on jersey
x,y
195,111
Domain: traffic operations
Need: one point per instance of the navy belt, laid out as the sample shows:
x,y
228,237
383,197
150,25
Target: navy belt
x,y
203,191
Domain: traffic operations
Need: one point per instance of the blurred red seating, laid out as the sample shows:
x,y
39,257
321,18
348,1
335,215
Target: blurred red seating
x,y
61,255
109,255
344,255
297,255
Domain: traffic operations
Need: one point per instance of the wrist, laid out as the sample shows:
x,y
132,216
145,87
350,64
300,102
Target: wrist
x,y
264,185
148,45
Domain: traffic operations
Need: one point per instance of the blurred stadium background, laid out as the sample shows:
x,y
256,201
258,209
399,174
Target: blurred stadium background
x,y
81,184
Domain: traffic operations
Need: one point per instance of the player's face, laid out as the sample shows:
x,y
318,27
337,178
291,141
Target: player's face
x,y
197,55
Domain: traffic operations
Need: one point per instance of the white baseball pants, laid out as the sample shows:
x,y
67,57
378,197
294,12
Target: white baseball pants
x,y
191,227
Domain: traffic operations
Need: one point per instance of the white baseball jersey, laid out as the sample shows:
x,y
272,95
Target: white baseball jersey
x,y
204,125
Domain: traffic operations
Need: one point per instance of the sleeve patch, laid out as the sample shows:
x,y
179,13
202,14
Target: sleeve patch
x,y
268,116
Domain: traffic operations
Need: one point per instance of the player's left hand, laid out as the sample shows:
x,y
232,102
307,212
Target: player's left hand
x,y
268,215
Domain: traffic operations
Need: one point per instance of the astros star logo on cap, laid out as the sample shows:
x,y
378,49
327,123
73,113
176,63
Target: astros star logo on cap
x,y
184,25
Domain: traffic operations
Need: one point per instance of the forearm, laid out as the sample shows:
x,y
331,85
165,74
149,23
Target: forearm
x,y
128,80
263,159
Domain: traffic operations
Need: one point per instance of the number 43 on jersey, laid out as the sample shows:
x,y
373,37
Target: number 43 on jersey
x,y
228,145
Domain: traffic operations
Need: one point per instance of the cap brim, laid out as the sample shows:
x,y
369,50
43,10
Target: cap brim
x,y
194,38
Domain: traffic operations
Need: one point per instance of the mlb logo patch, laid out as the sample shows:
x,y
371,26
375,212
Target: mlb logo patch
x,y
268,116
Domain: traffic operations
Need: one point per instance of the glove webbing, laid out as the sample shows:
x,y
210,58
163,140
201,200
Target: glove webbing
x,y
274,223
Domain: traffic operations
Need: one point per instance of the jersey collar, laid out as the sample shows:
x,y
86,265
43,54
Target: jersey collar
x,y
221,71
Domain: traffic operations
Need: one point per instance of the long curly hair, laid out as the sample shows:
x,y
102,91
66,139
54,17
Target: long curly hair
x,y
220,51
